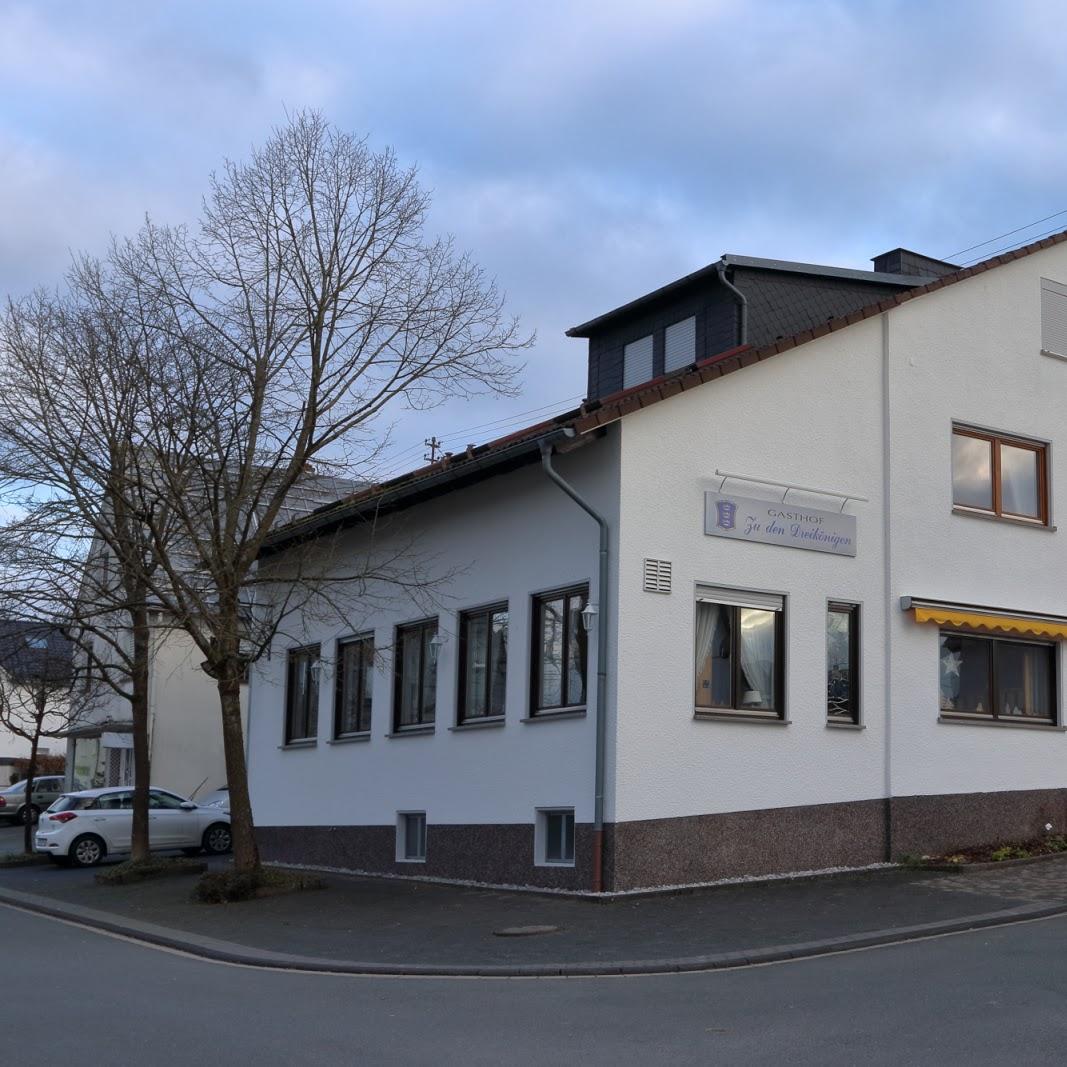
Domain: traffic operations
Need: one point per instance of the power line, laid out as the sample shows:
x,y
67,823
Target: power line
x,y
1010,245
1000,237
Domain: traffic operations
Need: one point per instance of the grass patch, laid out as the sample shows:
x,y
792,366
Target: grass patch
x,y
230,887
142,870
22,859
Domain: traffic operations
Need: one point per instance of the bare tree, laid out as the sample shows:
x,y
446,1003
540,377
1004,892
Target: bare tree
x,y
36,694
306,303
74,547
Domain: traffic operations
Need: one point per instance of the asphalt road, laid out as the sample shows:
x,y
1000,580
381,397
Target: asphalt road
x,y
985,998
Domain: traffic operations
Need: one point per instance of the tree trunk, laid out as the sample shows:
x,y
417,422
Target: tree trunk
x,y
245,850
142,771
31,772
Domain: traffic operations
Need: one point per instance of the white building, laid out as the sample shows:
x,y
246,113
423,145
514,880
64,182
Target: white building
x,y
832,617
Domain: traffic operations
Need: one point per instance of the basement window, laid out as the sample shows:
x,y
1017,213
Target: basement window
x,y
411,837
554,837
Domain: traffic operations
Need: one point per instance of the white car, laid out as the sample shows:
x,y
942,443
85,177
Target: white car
x,y
82,828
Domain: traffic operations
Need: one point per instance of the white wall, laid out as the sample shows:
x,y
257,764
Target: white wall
x,y
185,724
971,353
812,417
506,538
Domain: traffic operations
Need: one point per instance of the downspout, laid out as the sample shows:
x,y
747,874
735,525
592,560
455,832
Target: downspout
x,y
601,658
887,591
742,302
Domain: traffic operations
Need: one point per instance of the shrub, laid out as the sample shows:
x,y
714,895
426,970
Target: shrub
x,y
231,887
155,867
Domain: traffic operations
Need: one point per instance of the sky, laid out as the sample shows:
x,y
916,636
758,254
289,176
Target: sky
x,y
585,152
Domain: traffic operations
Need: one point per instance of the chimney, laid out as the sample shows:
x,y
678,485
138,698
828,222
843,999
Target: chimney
x,y
903,261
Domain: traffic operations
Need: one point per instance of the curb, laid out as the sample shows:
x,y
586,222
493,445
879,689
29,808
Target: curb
x,y
229,952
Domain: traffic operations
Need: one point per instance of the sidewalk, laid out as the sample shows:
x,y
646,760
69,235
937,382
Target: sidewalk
x,y
368,925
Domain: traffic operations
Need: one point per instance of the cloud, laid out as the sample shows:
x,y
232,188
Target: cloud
x,y
584,151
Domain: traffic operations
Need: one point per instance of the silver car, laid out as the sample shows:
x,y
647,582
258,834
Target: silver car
x,y
46,789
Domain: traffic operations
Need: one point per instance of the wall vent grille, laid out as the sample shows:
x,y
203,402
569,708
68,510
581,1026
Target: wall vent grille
x,y
657,575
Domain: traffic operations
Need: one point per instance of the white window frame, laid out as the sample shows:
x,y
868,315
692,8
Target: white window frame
x,y
402,836
541,837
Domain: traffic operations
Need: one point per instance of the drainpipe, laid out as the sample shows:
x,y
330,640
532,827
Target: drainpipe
x,y
742,302
601,657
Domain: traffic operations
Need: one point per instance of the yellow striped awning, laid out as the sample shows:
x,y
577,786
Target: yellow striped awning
x,y
996,620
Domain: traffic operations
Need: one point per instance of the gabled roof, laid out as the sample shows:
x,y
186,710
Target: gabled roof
x,y
751,263
523,446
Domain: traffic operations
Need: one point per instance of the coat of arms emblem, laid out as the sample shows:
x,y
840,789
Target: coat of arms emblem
x,y
727,514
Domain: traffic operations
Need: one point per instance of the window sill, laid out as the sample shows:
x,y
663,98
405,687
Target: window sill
x,y
549,716
1005,724
476,724
739,716
1011,520
404,859
310,742
1053,355
349,739
831,725
413,731
566,864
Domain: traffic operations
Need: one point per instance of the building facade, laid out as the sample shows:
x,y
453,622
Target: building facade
x,y
834,626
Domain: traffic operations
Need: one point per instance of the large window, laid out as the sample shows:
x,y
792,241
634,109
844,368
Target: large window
x,y
739,653
1004,476
560,650
483,663
842,663
302,694
997,678
354,683
415,698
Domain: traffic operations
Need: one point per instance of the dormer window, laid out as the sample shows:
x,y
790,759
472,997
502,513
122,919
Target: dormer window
x,y
680,344
637,362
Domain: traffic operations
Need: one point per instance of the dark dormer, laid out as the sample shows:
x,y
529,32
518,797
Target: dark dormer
x,y
737,300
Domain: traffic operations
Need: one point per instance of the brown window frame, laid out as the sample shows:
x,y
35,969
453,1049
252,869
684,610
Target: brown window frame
x,y
852,610
341,677
423,721
536,707
996,440
311,654
465,619
994,713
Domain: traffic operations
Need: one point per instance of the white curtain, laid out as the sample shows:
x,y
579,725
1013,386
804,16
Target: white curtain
x,y
757,656
707,621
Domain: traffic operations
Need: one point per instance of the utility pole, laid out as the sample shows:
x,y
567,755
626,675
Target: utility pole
x,y
434,446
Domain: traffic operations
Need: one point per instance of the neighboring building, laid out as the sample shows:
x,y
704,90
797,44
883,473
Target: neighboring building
x,y
29,651
834,621
184,721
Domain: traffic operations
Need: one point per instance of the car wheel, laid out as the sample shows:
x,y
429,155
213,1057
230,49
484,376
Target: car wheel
x,y
87,851
217,839
191,851
31,814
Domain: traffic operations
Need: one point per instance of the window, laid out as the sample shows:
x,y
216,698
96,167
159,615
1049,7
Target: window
x,y
554,837
352,689
560,650
483,662
302,695
415,671
158,799
637,362
411,837
680,344
1003,476
739,652
997,678
1053,317
842,663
